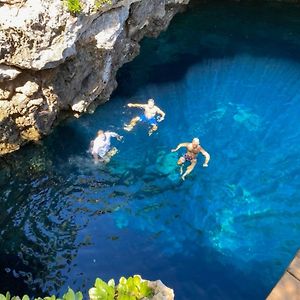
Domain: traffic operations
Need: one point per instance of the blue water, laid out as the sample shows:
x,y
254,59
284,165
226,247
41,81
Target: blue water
x,y
225,72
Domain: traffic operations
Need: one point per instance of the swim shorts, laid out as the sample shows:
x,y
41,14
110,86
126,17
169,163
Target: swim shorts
x,y
187,157
151,121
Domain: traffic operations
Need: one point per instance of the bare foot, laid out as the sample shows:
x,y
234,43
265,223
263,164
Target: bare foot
x,y
183,177
128,127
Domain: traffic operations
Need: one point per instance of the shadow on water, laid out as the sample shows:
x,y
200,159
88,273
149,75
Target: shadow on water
x,y
214,30
226,72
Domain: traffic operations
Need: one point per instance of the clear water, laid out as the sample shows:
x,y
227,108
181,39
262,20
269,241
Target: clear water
x,y
227,73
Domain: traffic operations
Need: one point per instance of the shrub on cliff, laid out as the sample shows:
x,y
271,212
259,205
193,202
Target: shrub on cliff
x,y
74,6
100,3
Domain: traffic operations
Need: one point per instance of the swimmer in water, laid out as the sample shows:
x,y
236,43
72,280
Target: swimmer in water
x,y
193,149
149,116
100,146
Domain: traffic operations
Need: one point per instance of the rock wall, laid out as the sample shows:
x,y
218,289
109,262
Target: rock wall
x,y
53,62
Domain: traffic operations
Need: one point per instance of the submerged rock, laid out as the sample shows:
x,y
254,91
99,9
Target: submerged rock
x,y
53,61
166,164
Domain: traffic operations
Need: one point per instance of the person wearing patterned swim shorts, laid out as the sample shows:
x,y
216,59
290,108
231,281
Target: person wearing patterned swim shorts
x,y
193,149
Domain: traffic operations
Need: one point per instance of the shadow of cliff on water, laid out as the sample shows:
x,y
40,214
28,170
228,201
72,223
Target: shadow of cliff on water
x,y
216,30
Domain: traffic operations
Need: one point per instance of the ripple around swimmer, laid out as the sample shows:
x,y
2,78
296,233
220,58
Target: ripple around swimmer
x,y
65,220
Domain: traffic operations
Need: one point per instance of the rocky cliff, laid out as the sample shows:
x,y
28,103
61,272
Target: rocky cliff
x,y
53,61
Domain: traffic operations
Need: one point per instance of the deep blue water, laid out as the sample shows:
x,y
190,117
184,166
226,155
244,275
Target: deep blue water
x,y
225,72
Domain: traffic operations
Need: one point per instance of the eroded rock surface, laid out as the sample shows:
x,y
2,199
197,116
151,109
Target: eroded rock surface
x,y
52,61
161,291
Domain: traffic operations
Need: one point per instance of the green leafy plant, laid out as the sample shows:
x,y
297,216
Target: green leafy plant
x,y
70,295
100,3
8,297
132,288
102,290
74,6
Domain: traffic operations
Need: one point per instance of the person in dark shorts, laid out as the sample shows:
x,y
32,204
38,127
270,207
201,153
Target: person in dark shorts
x,y
193,149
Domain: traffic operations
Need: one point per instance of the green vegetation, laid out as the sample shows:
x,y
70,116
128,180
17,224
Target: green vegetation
x,y
70,295
100,3
132,288
74,6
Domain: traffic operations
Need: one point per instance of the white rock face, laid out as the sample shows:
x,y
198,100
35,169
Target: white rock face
x,y
8,73
51,60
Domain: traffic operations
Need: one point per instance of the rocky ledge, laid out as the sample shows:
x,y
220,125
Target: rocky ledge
x,y
53,62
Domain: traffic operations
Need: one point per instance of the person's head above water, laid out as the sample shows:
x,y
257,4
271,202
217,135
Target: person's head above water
x,y
151,102
100,132
195,142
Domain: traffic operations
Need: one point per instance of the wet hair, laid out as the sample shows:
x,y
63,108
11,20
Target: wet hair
x,y
101,132
152,100
196,140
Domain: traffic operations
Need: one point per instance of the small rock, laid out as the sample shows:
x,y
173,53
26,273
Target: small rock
x,y
8,72
161,292
80,106
36,102
28,89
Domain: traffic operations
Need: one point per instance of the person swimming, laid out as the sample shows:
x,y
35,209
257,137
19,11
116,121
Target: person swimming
x,y
193,149
149,116
100,146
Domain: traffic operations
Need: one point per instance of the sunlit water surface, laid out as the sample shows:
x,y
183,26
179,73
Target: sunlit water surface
x,y
226,73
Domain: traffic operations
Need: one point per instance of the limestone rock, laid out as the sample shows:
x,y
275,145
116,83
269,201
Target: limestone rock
x,y
28,89
53,61
161,292
8,73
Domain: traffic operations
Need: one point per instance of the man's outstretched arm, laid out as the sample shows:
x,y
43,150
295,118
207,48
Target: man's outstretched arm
x,y
161,113
180,146
136,105
115,135
207,157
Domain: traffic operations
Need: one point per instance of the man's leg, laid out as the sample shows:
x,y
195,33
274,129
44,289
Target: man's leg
x,y
153,128
109,154
113,151
96,158
189,169
132,123
102,154
180,163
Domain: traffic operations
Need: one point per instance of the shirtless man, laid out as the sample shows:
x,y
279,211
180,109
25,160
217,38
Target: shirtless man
x,y
100,146
193,149
150,112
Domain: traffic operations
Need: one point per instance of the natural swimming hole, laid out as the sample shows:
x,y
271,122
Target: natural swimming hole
x,y
227,73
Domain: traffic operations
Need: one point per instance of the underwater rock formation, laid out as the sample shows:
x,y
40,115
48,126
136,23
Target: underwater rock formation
x,y
54,62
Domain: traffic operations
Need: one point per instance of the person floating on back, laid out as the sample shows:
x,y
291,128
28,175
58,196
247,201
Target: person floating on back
x,y
100,146
149,116
193,149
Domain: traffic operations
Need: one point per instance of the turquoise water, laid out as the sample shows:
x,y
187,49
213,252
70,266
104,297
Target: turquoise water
x,y
227,73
